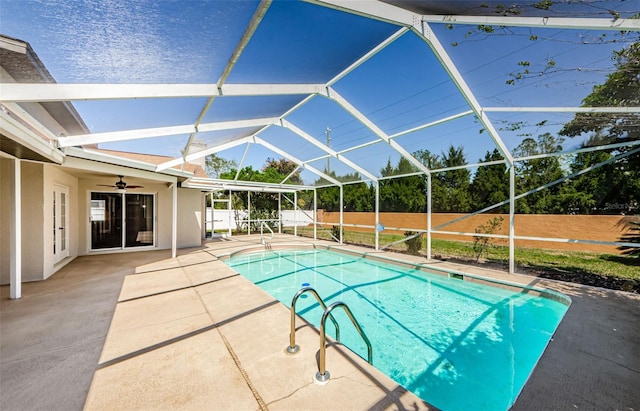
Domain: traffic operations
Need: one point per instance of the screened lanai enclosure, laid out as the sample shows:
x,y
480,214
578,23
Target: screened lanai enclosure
x,y
450,109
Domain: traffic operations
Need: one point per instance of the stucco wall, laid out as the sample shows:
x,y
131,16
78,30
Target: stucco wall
x,y
583,227
32,221
189,218
56,176
6,176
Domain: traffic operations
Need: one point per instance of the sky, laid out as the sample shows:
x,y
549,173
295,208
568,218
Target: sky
x,y
401,87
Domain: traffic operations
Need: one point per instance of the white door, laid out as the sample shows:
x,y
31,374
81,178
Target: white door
x,y
60,219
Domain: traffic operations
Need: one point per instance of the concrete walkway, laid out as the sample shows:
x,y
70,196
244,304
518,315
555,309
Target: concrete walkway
x,y
145,331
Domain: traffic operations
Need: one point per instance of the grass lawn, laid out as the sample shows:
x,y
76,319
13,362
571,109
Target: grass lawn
x,y
604,270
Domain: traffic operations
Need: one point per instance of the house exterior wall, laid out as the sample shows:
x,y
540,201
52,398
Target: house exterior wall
x,y
54,175
37,219
38,182
189,218
189,212
32,221
163,203
6,176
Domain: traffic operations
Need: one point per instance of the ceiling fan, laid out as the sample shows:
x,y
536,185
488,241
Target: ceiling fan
x,y
120,185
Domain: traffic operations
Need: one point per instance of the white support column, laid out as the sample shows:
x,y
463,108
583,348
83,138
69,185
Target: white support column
x,y
315,214
429,216
15,259
377,215
295,213
229,211
341,211
174,223
213,215
249,208
279,213
203,221
512,208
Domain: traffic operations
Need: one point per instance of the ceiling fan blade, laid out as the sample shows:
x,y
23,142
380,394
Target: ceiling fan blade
x,y
104,185
128,186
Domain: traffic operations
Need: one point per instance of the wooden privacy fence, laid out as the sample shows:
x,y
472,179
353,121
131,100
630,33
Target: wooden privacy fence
x,y
581,227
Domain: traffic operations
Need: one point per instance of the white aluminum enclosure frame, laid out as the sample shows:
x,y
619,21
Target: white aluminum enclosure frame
x,y
408,23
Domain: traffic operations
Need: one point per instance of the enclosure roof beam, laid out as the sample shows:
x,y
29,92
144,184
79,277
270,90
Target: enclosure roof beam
x,y
546,22
111,136
286,155
256,18
431,124
398,15
580,150
368,55
248,183
295,170
374,10
203,153
39,93
432,40
327,149
621,110
335,96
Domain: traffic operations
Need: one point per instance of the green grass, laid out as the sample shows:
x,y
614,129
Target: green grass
x,y
549,263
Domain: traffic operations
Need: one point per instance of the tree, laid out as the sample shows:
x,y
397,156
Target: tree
x,y
490,184
621,89
356,197
453,192
405,194
612,188
432,161
633,236
215,165
263,205
534,173
284,168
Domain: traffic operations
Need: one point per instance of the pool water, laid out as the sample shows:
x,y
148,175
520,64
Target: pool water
x,y
458,345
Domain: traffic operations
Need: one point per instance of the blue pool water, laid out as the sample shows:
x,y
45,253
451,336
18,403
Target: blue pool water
x,y
458,345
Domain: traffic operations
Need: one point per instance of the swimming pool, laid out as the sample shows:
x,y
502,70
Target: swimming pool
x,y
459,345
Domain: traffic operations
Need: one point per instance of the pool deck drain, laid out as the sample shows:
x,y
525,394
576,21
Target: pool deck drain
x,y
188,333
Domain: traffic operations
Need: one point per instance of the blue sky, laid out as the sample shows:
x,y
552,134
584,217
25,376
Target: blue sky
x,y
162,41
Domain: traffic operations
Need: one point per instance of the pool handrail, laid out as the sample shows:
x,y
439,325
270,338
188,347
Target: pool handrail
x,y
322,376
262,225
293,348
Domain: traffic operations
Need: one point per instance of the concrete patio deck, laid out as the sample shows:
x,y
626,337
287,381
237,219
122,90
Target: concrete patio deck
x,y
145,331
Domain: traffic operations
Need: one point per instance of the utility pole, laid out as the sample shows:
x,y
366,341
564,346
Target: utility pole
x,y
328,134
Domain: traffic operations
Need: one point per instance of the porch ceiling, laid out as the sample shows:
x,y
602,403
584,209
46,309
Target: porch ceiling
x,y
338,87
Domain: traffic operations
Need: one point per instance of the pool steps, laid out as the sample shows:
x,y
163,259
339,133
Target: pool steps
x,y
323,375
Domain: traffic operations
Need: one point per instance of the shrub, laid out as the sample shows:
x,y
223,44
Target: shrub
x,y
481,244
335,232
414,244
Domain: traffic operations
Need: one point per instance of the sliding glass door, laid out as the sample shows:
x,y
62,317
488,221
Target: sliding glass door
x,y
139,220
122,220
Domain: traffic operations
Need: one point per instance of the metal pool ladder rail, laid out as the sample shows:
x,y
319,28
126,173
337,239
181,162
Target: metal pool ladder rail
x,y
322,376
293,348
267,245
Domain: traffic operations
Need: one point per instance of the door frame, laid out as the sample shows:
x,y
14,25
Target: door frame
x,y
60,220
122,247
